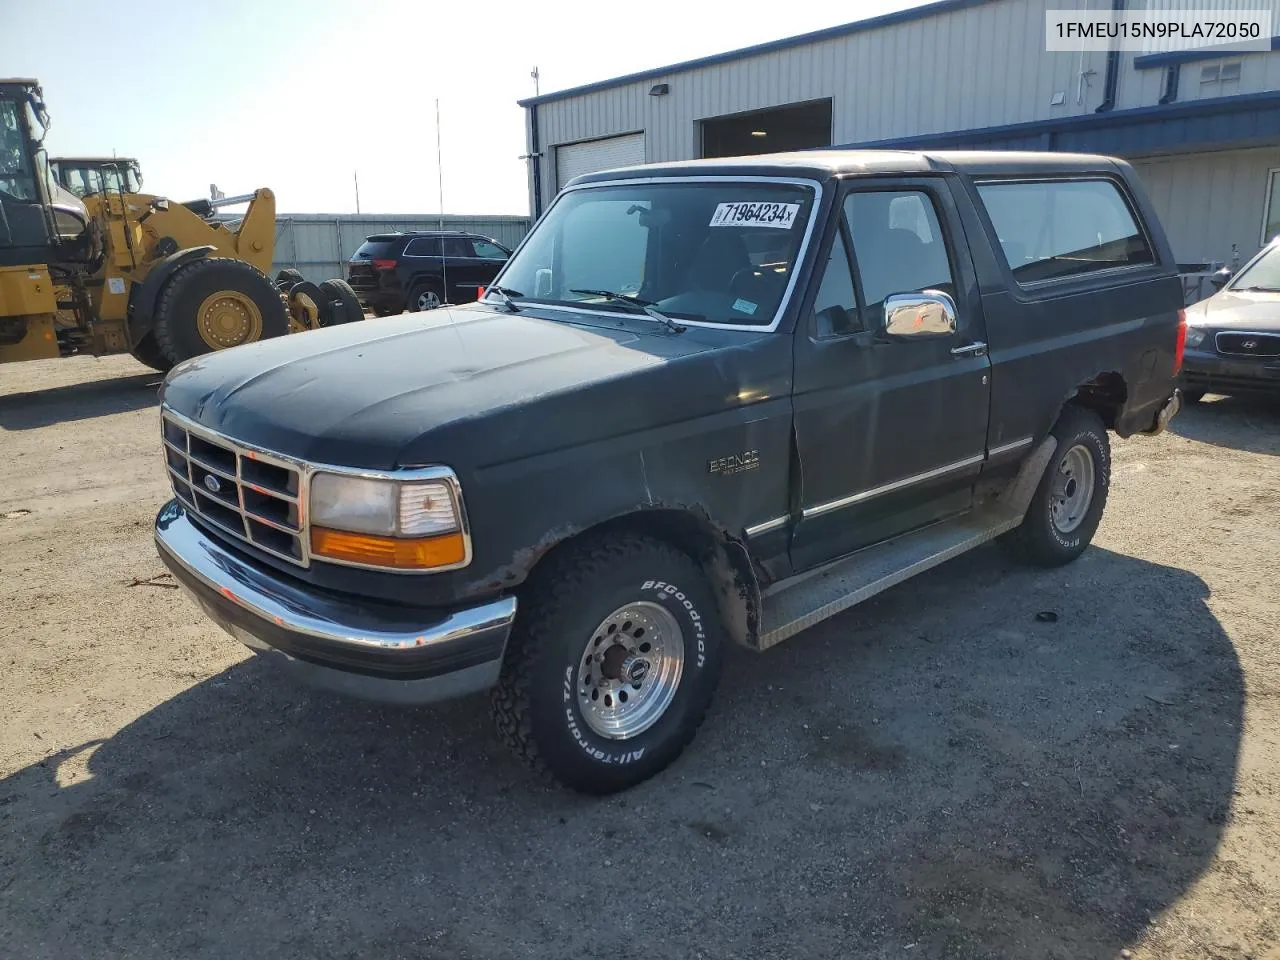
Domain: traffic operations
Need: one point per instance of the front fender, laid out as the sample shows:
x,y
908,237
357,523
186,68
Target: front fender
x,y
144,296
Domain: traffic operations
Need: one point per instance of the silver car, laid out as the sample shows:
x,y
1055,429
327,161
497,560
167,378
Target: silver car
x,y
1233,337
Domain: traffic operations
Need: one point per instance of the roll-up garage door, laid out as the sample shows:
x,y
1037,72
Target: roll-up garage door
x,y
575,159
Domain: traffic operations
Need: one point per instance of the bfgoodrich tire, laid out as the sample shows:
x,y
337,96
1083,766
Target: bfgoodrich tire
x,y
1067,506
612,663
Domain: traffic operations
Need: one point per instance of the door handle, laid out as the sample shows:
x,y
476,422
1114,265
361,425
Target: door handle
x,y
969,350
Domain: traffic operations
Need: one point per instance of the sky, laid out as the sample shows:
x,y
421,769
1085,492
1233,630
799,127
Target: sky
x,y
297,96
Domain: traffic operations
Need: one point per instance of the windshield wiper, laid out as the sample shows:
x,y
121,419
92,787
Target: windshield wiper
x,y
505,296
644,305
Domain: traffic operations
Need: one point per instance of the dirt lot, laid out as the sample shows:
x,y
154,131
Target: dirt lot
x,y
936,773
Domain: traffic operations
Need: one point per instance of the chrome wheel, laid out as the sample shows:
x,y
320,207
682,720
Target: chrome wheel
x,y
427,300
1072,489
630,670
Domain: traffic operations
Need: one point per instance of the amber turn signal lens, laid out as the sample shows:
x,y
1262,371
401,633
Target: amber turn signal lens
x,y
399,554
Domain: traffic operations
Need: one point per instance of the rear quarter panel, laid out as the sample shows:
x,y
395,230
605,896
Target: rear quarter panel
x,y
1048,340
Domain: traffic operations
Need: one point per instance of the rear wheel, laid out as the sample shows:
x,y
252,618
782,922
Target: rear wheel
x,y
213,304
1067,506
424,296
147,352
612,663
339,303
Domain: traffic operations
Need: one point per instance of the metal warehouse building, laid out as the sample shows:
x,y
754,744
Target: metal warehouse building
x,y
1202,127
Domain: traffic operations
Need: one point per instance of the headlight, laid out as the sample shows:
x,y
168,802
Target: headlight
x,y
1195,336
401,524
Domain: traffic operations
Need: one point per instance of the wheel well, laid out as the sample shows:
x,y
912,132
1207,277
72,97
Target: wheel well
x,y
723,558
1105,394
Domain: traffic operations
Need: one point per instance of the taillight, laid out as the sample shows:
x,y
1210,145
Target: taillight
x,y
384,264
1180,347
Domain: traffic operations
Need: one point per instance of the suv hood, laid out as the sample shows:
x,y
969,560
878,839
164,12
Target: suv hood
x,y
464,387
1228,309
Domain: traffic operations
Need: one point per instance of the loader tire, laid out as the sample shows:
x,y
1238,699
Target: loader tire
x,y
147,353
287,277
213,304
305,289
339,303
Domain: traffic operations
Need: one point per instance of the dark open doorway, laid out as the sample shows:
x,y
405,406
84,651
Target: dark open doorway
x,y
794,127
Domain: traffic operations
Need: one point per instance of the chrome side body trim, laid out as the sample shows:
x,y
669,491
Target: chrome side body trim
x,y
1006,448
767,526
821,508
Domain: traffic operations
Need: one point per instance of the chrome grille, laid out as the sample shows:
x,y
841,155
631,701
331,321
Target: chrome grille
x,y
246,493
1248,344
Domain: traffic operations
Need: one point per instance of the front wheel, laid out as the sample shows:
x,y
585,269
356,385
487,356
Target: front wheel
x,y
1067,506
612,663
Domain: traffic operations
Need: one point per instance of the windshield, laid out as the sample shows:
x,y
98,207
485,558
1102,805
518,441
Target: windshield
x,y
709,251
86,179
1262,274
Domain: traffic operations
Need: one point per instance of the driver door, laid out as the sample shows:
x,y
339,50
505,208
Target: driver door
x,y
890,430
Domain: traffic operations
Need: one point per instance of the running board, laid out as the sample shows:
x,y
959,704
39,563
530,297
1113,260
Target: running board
x,y
796,604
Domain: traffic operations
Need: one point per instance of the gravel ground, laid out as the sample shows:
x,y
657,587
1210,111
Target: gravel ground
x,y
937,773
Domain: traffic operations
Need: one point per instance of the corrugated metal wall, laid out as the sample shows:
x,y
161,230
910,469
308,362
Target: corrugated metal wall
x,y
976,67
957,70
1208,201
319,245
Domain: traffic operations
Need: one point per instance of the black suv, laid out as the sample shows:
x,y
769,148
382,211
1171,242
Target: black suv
x,y
398,272
706,403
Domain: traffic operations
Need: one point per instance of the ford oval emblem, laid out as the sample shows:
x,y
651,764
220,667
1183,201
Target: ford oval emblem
x,y
212,483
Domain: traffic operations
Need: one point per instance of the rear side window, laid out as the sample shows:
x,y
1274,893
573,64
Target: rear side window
x,y
423,247
1052,229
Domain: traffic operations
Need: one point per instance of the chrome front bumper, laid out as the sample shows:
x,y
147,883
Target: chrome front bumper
x,y
368,649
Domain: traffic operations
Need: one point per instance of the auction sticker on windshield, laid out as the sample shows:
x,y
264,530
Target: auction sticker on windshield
x,y
780,215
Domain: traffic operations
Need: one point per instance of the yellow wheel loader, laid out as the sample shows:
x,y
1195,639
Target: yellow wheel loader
x,y
119,271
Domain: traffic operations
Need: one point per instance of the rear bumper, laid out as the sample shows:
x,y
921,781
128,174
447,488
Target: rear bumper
x,y
1213,374
364,648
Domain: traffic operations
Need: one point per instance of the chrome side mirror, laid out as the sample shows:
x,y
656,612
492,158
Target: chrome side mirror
x,y
542,283
1219,278
929,313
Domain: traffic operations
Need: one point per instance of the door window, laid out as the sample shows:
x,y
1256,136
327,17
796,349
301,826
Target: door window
x,y
457,247
489,251
22,218
835,310
898,245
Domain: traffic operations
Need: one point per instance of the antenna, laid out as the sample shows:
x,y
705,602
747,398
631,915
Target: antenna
x,y
444,263
355,176
535,75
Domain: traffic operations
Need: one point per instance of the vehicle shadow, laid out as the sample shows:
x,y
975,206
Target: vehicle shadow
x,y
1237,422
78,401
939,767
